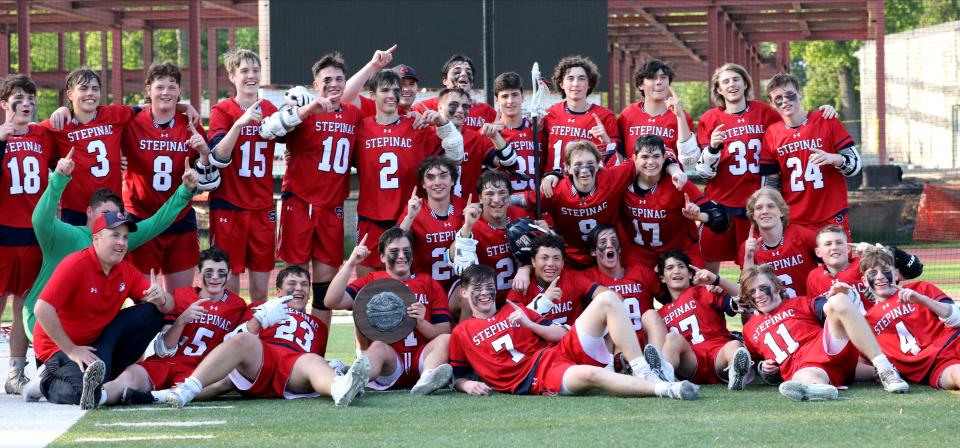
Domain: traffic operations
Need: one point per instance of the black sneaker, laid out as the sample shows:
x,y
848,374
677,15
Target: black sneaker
x,y
132,396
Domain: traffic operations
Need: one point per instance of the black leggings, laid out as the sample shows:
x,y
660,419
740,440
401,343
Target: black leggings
x,y
120,344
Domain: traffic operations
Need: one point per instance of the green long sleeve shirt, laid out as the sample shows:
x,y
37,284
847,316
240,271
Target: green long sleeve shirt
x,y
58,239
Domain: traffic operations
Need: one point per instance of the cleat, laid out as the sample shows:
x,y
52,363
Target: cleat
x,y
737,375
683,390
92,381
345,388
798,391
892,382
31,391
432,380
132,396
179,396
655,360
16,380
621,365
339,368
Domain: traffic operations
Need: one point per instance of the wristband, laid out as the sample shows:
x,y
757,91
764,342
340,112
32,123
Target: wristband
x,y
717,281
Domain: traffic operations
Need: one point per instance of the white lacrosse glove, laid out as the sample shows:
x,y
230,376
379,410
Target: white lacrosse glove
x,y
541,304
298,96
273,311
466,255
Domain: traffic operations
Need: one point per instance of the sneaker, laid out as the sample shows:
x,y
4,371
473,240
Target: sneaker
x,y
345,388
132,396
432,380
621,365
179,396
31,391
92,382
892,382
737,375
683,390
338,366
655,360
798,391
15,382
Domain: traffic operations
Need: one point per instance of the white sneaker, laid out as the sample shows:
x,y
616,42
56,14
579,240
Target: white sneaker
x,y
682,390
31,391
432,380
798,391
338,366
92,380
656,362
892,382
179,396
739,368
345,388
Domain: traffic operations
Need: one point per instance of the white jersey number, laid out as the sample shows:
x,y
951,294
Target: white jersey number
x,y
389,161
633,312
690,323
780,354
506,343
102,168
341,156
746,156
800,176
162,169
287,329
908,343
198,346
26,180
259,161
652,227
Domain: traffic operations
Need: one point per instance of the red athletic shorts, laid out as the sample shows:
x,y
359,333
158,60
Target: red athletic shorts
x,y
247,236
19,267
165,374
308,232
706,353
373,230
723,246
275,371
171,253
949,356
840,367
554,362
407,374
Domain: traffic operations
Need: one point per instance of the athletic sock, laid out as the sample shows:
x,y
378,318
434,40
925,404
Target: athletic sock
x,y
639,364
193,384
18,362
103,396
881,362
661,389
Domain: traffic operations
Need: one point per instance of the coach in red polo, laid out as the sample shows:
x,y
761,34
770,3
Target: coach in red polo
x,y
83,335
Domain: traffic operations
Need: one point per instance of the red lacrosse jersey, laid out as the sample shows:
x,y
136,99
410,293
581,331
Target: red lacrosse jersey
x,y
205,333
479,114
427,291
697,315
562,126
23,178
780,333
577,288
386,158
156,159
522,140
634,122
299,333
368,107
96,155
86,299
500,353
321,150
493,250
575,215
654,223
432,236
476,151
247,182
738,171
814,193
792,260
819,281
910,334
638,286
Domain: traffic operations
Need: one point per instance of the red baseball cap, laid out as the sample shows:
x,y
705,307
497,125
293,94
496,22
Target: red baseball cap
x,y
112,220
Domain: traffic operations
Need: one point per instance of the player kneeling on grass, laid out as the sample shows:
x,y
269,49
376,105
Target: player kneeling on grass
x,y
419,360
273,355
699,345
810,341
203,316
517,351
916,324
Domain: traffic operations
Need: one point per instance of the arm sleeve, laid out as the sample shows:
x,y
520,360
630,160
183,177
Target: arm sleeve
x,y
151,227
46,226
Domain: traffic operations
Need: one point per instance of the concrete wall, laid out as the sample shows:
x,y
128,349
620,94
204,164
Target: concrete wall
x,y
922,89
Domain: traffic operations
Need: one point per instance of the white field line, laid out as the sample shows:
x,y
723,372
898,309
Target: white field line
x,y
170,424
164,408
141,438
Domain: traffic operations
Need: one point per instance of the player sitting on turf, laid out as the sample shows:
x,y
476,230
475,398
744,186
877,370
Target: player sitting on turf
x,y
837,266
560,296
419,360
636,284
515,350
773,240
659,212
916,324
458,72
275,354
699,345
200,318
811,342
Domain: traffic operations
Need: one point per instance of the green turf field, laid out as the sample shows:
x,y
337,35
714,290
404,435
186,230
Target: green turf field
x,y
759,416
